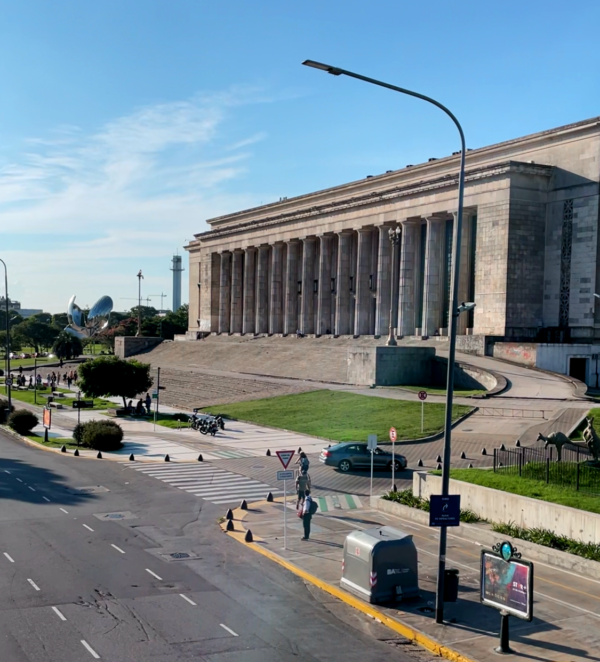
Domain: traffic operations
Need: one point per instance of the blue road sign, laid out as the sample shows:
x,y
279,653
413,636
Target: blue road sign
x,y
444,510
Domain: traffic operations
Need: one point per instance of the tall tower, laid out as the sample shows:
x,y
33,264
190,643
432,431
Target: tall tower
x,y
177,270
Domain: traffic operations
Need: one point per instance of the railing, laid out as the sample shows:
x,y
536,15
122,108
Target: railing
x,y
512,413
539,464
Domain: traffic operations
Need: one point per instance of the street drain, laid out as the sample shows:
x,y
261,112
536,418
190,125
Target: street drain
x,y
179,555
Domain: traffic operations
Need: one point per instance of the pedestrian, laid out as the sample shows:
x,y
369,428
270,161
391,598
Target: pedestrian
x,y
61,362
69,380
303,461
308,510
302,486
148,402
58,378
20,370
75,376
30,381
139,408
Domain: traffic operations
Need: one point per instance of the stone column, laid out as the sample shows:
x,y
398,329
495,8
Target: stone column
x,y
324,304
236,291
384,265
307,319
249,288
262,307
466,264
409,264
342,283
433,289
225,292
290,323
276,303
363,271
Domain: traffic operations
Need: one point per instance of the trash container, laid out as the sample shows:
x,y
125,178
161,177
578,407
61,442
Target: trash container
x,y
450,585
380,565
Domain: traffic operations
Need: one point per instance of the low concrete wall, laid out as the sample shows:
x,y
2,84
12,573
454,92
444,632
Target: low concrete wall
x,y
515,352
483,534
129,345
465,376
390,366
498,506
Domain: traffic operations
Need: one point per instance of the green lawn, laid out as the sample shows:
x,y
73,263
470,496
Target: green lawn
x,y
436,390
29,397
534,489
57,442
341,416
169,421
15,363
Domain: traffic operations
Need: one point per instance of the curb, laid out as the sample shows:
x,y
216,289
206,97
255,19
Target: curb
x,y
410,633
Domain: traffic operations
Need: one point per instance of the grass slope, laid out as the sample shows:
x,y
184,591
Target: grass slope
x,y
341,416
534,489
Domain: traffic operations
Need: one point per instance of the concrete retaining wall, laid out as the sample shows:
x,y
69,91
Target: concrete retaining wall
x,y
390,366
497,506
483,534
465,376
129,345
521,353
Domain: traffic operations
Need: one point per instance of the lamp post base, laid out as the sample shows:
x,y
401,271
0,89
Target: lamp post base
x,y
391,341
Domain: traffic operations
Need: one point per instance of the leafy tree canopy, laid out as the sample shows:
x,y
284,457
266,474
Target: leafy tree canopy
x,y
35,332
67,346
109,376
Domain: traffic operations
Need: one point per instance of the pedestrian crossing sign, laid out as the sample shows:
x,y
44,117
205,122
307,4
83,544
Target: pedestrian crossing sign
x,y
285,457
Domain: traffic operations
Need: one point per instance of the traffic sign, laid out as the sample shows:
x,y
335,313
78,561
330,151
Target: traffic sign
x,y
286,475
422,395
372,442
285,457
444,510
8,381
393,435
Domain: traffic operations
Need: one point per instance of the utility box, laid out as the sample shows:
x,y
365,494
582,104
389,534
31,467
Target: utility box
x,y
380,565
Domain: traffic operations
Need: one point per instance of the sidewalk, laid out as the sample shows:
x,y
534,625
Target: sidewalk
x,y
566,625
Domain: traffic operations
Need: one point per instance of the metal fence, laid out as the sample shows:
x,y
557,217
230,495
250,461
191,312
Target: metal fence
x,y
540,464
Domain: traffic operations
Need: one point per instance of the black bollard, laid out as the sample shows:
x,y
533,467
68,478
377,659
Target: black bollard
x,y
99,456
439,466
200,458
483,451
248,537
438,458
76,453
229,514
131,458
463,456
268,453
420,463
270,497
518,444
63,449
167,458
243,505
230,526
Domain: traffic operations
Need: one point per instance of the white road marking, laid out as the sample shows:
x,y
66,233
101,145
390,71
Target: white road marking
x,y
89,528
229,630
8,556
90,649
65,511
6,471
35,586
154,574
117,548
31,488
58,613
46,499
20,481
185,597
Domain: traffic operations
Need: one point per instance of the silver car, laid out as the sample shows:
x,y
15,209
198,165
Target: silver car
x,y
353,455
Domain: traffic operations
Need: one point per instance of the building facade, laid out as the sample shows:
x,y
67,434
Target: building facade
x,y
322,263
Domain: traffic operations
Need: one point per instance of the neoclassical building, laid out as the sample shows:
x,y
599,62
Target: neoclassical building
x,y
321,263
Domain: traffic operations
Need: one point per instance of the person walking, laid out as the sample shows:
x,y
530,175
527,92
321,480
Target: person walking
x,y
69,380
308,510
303,461
302,486
148,402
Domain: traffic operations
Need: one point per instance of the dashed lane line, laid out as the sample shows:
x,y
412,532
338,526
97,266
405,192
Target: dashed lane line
x,y
235,634
117,548
35,586
9,557
64,511
89,528
32,488
6,471
46,499
185,597
90,649
57,611
154,574
20,481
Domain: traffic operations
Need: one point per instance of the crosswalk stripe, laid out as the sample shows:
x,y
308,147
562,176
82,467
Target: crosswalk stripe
x,y
193,477
229,490
206,481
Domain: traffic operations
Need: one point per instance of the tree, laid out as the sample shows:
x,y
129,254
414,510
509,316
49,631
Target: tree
x,y
67,346
35,332
109,376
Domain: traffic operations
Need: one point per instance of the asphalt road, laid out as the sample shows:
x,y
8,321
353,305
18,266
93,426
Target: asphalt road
x,y
76,584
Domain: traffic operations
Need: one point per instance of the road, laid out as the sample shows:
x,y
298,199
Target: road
x,y
87,574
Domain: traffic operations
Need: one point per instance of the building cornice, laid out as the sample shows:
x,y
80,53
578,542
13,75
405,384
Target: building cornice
x,y
373,197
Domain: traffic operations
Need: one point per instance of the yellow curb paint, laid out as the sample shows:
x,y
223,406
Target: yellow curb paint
x,y
397,626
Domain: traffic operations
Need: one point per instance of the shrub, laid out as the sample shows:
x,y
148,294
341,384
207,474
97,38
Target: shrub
x,y
78,433
184,418
407,498
4,413
101,435
22,421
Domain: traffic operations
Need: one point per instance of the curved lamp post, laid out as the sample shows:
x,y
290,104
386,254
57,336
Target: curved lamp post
x,y
7,333
454,310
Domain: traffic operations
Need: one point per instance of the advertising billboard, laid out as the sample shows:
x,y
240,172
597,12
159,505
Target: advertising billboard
x,y
507,585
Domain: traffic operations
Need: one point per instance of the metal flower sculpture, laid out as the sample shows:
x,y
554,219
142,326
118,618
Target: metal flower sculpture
x,y
97,318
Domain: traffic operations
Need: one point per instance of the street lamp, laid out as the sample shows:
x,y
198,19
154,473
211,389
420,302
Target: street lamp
x,y
457,230
395,235
139,277
8,387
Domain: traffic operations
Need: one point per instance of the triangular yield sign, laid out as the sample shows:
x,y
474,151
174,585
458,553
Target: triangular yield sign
x,y
285,457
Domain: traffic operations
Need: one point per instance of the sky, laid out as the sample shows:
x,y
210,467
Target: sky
x,y
124,126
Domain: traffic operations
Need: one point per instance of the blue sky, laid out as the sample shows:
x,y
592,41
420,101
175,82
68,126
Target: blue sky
x,y
124,125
